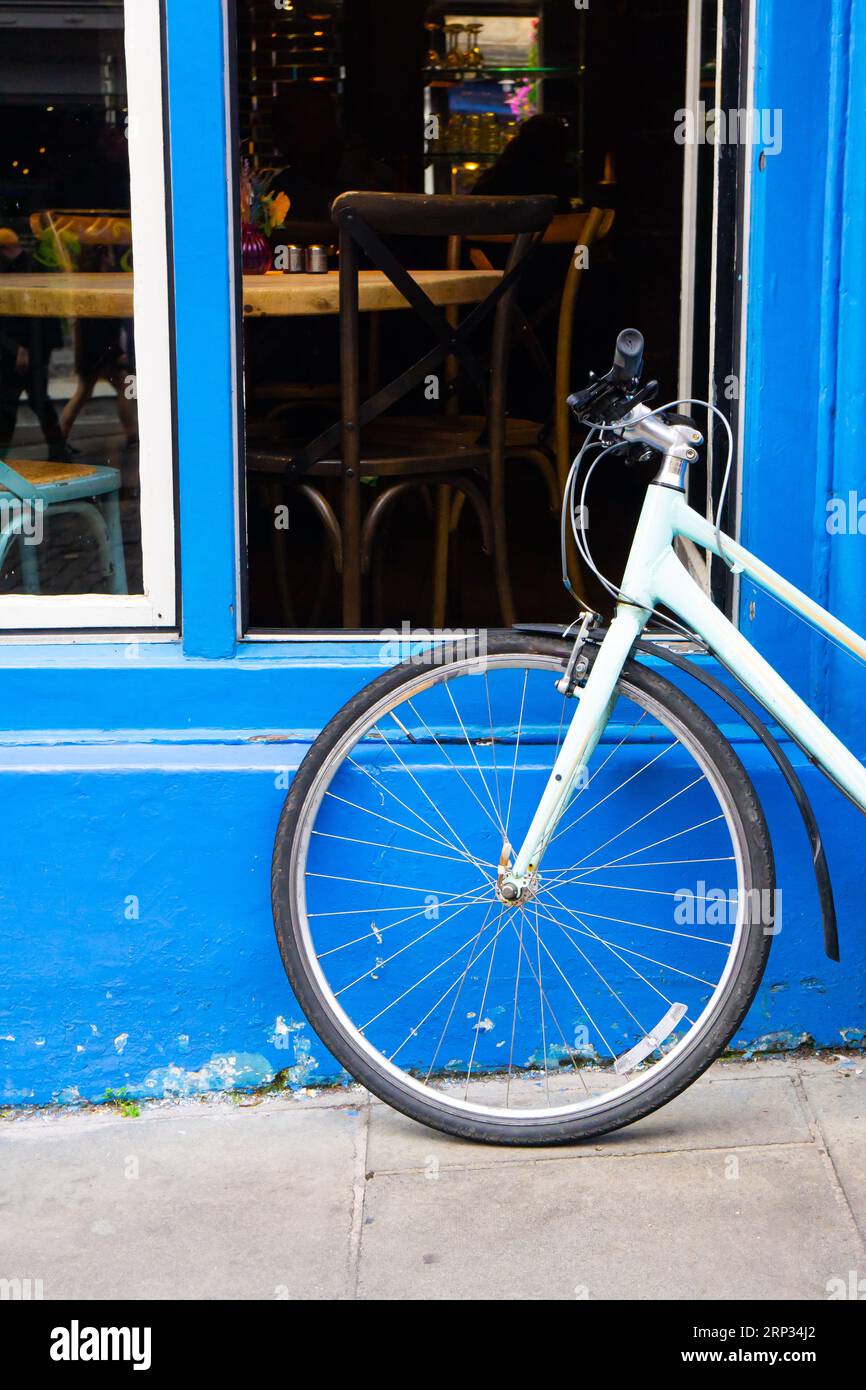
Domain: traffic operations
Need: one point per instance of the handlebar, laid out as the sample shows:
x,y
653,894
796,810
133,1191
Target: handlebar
x,y
617,404
628,358
618,386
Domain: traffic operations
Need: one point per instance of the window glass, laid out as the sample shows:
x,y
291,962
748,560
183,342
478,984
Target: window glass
x,y
69,442
446,515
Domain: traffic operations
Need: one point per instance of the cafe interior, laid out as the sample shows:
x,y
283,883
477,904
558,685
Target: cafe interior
x,y
446,213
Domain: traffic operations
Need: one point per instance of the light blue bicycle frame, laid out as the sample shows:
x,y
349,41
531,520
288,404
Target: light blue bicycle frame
x,y
655,577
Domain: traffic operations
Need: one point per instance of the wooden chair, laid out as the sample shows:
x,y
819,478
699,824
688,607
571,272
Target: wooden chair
x,y
580,231
546,445
416,453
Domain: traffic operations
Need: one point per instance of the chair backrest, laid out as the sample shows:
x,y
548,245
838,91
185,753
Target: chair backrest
x,y
364,219
596,225
581,231
429,214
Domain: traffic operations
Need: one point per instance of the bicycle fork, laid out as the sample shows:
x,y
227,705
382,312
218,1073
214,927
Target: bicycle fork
x,y
570,769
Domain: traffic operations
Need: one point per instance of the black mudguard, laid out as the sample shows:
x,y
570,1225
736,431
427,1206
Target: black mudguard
x,y
748,716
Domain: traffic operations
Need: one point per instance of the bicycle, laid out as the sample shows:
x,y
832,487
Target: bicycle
x,y
527,896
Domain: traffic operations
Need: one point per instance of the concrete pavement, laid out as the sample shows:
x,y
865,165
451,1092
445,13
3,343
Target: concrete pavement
x,y
752,1185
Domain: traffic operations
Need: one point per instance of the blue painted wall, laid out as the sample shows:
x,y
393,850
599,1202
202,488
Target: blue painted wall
x,y
142,783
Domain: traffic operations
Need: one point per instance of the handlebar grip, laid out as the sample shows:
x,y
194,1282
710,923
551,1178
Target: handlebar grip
x,y
628,361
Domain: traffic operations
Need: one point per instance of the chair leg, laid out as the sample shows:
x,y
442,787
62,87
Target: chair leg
x,y
29,566
331,557
440,560
500,548
96,524
351,549
111,507
468,491
274,499
543,462
7,536
376,517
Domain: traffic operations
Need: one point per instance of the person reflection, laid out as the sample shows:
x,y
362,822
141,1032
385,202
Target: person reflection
x,y
534,162
320,162
26,345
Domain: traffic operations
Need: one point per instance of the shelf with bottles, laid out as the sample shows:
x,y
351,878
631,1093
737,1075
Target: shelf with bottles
x,y
455,77
477,136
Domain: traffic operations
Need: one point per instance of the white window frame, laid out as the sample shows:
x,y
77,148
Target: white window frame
x,y
156,608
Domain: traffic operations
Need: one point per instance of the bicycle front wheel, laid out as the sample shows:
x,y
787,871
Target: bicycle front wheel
x,y
612,986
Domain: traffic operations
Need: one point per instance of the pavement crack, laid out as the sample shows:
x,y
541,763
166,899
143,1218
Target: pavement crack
x,y
359,1198
822,1145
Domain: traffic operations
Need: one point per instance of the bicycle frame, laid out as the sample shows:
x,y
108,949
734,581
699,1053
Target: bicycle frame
x,y
655,577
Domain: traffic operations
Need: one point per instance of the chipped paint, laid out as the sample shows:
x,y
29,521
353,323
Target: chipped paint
x,y
775,1042
231,1071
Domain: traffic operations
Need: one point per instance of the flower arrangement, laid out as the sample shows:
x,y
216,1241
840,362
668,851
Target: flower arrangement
x,y
523,101
260,208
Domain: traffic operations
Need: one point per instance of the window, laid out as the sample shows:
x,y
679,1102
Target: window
x,y
509,98
87,527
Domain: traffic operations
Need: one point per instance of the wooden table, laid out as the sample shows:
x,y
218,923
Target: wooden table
x,y
109,296
60,295
281,295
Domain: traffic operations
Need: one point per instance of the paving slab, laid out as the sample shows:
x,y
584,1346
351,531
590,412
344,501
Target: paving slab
x,y
645,1226
719,1111
837,1097
187,1203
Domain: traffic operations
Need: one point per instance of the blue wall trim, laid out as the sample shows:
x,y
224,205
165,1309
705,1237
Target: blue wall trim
x,y
206,387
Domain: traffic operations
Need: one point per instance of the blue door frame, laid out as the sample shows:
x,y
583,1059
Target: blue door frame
x,y
142,782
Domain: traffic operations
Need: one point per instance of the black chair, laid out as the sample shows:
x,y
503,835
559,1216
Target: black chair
x,y
424,456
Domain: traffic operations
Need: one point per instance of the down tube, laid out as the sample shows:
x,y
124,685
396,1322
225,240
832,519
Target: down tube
x,y
678,591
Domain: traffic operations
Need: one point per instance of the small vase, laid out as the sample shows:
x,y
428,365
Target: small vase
x,y
256,256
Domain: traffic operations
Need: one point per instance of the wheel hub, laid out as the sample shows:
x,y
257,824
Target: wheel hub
x,y
514,892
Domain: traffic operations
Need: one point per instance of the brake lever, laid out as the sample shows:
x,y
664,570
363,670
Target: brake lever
x,y
625,407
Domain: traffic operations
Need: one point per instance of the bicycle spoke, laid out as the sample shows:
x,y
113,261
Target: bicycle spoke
x,y
424,793
421,911
541,1004
410,829
417,985
554,1005
380,965
653,811
566,1044
611,794
496,814
666,931
458,985
448,843
594,936
459,982
481,1020
516,756
451,763
493,748
391,849
639,954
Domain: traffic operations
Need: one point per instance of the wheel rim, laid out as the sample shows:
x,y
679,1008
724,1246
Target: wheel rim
x,y
428,1030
